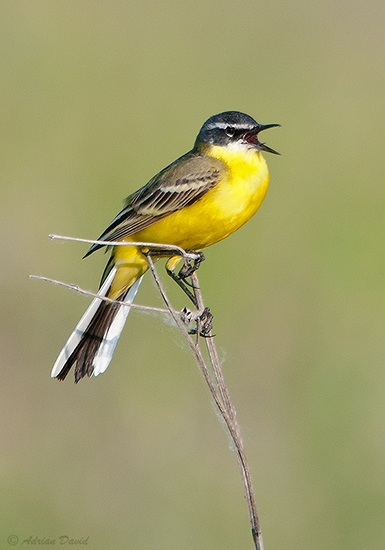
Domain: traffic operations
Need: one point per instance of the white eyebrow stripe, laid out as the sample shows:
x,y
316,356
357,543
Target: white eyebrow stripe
x,y
224,125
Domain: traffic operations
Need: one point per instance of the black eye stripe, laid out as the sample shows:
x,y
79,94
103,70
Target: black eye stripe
x,y
232,132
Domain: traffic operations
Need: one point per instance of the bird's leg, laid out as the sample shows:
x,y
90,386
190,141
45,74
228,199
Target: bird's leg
x,y
186,270
183,285
204,324
189,267
204,318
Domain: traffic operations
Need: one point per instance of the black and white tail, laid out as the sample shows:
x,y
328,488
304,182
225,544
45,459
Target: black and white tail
x,y
92,344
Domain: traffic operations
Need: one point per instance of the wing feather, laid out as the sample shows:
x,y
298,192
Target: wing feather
x,y
180,184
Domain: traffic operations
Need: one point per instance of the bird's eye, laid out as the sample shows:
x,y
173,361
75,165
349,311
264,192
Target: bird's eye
x,y
230,132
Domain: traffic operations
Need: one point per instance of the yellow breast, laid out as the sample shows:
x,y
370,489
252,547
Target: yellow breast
x,y
222,210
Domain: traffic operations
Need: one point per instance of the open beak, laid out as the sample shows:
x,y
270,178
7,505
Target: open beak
x,y
263,146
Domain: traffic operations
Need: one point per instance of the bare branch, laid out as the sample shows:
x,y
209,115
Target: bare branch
x,y
212,374
178,250
221,396
77,288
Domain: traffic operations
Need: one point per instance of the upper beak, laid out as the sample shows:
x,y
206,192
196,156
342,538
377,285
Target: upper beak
x,y
263,146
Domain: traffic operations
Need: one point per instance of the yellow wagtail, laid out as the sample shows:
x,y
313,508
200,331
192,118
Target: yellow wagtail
x,y
198,200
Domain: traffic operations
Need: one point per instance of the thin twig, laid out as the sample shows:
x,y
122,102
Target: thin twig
x,y
234,429
80,290
178,250
221,396
213,377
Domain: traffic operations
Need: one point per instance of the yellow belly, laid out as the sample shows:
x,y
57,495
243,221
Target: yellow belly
x,y
220,212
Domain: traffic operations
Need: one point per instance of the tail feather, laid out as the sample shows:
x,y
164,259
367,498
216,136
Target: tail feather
x,y
91,345
111,337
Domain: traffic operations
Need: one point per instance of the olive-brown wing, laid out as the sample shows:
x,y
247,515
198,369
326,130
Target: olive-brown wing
x,y
180,184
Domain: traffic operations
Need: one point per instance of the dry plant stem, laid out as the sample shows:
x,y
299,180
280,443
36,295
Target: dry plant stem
x,y
234,428
159,246
213,378
221,396
77,288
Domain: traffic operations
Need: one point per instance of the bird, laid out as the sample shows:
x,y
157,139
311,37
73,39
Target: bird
x,y
197,200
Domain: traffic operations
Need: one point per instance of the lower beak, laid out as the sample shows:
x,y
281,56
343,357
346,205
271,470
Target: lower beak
x,y
263,146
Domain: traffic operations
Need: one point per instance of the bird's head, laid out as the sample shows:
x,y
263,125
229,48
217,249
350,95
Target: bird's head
x,y
235,130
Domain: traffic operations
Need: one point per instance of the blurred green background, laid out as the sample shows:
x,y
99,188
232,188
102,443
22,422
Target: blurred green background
x,y
97,96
